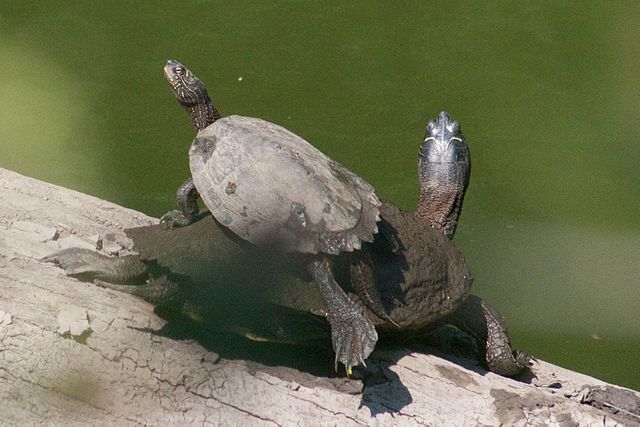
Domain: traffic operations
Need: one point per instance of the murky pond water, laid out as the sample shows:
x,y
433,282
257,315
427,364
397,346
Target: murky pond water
x,y
547,93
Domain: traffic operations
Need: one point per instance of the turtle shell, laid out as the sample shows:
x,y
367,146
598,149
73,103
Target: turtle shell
x,y
274,189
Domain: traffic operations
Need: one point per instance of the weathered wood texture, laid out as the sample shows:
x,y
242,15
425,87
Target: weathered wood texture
x,y
74,353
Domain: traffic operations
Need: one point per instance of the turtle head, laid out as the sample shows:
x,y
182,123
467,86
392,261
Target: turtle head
x,y
187,88
191,93
443,141
444,167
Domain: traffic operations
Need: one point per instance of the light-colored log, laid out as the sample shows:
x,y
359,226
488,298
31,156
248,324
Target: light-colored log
x,y
75,353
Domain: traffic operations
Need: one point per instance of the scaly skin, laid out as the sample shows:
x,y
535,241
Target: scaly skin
x,y
444,167
187,198
344,316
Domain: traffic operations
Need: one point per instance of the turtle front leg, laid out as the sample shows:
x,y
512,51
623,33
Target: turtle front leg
x,y
187,198
476,317
352,334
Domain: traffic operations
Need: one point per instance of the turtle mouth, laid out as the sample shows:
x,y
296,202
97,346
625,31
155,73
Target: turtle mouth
x,y
168,73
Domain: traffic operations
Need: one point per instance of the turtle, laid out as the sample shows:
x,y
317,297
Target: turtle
x,y
273,189
205,272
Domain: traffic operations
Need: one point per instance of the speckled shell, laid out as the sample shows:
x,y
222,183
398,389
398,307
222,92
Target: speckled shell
x,y
274,189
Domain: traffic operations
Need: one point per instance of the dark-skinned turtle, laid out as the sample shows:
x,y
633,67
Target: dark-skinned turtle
x,y
421,281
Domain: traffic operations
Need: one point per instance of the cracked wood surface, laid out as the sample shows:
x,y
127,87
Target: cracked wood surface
x,y
75,353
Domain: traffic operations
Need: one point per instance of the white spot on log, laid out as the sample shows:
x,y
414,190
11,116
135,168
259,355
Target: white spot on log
x,y
73,320
37,232
5,318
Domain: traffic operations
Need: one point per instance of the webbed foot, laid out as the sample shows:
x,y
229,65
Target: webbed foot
x,y
523,360
175,218
76,261
501,360
126,274
158,291
485,324
187,196
89,265
353,335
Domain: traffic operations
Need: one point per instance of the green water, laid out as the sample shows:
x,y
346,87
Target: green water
x,y
547,93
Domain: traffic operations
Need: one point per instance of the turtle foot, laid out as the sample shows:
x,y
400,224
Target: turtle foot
x,y
523,360
187,198
353,337
175,218
88,265
79,262
159,291
476,317
505,363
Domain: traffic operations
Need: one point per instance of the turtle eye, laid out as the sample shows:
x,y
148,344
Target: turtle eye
x,y
179,70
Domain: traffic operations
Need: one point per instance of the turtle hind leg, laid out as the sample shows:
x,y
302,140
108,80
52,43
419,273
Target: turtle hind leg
x,y
484,323
88,265
187,197
352,334
364,285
